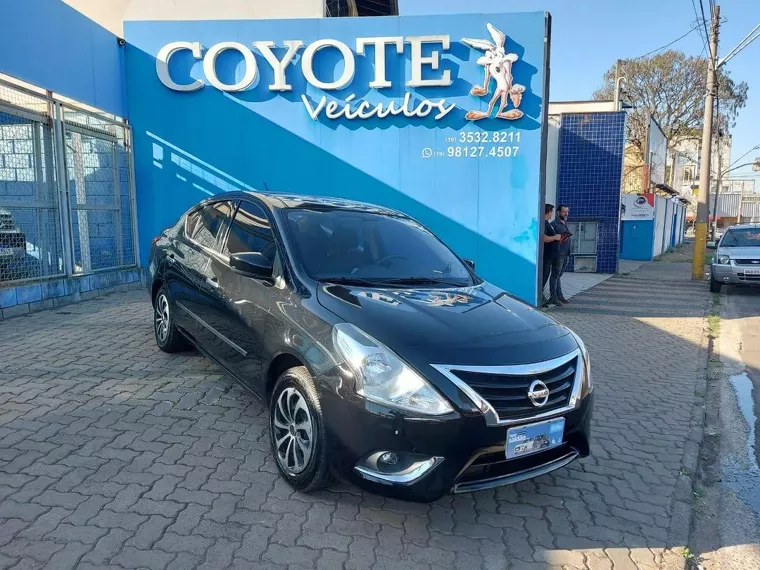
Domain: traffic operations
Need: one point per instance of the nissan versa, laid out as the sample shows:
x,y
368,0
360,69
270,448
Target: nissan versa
x,y
382,356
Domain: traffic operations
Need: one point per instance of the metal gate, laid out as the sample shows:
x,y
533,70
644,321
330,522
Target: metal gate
x,y
66,188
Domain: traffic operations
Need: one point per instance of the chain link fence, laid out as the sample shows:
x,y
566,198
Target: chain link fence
x,y
66,189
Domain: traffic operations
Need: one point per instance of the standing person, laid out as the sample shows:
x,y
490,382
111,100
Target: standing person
x,y
551,249
563,254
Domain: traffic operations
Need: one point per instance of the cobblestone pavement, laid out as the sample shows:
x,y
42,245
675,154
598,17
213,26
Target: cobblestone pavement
x,y
115,455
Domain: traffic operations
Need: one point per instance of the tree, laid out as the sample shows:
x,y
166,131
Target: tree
x,y
670,87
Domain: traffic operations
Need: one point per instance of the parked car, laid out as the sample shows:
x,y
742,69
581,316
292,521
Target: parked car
x,y
737,257
12,247
381,355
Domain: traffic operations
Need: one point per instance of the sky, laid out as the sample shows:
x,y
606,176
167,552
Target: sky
x,y
589,35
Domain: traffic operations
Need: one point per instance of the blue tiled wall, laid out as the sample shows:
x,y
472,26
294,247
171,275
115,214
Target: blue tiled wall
x,y
589,176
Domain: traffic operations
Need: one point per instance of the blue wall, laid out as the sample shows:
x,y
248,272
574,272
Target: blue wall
x,y
637,239
589,177
49,44
190,145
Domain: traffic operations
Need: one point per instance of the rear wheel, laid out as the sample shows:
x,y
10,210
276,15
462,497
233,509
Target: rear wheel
x,y
297,431
168,338
715,285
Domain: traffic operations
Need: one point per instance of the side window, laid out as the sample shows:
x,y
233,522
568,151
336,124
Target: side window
x,y
250,231
205,224
191,223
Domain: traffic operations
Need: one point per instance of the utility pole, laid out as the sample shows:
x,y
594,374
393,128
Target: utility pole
x,y
700,241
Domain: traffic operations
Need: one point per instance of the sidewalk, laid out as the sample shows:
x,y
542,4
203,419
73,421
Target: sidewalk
x,y
113,454
645,334
575,283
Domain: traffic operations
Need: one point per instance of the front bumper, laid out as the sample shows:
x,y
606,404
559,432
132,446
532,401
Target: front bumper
x,y
734,274
470,455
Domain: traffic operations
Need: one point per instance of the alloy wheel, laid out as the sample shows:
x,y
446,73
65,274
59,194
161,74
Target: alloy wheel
x,y
162,318
293,431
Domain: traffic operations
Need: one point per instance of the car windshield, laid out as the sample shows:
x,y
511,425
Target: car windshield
x,y
741,237
343,245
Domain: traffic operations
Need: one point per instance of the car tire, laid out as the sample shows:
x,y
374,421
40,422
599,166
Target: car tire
x,y
168,337
297,432
715,285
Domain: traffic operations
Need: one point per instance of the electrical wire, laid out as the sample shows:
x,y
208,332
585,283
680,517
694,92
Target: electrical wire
x,y
692,29
704,19
706,37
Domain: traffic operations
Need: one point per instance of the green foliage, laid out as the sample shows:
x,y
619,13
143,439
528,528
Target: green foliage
x,y
670,87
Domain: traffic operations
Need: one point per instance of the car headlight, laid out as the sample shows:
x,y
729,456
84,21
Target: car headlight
x,y
382,377
723,260
586,362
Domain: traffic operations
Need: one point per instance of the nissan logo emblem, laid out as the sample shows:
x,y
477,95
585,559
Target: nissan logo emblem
x,y
538,393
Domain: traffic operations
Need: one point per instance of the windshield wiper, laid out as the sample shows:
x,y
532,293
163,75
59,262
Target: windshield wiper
x,y
421,281
350,281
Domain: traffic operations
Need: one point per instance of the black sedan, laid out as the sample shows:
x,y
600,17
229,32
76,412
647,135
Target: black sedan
x,y
382,356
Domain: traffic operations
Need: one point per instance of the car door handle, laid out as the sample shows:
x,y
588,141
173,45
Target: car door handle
x,y
213,281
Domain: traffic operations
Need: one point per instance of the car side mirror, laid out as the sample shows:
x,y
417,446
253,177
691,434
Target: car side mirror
x,y
470,263
252,264
711,245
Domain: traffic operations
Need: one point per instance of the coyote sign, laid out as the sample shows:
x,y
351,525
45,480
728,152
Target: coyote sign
x,y
498,66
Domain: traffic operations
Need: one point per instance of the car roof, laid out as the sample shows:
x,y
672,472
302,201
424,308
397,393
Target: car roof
x,y
744,226
279,201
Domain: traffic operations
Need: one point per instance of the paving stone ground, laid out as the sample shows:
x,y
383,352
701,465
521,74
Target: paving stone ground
x,y
116,455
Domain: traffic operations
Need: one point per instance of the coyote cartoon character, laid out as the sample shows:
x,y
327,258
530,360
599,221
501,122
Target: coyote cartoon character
x,y
498,66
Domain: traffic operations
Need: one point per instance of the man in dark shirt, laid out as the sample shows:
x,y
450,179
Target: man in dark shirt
x,y
563,254
551,249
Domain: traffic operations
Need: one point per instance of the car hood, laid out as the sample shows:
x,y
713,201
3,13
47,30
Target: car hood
x,y
477,326
740,252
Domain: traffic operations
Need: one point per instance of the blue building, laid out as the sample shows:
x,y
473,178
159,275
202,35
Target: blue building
x,y
584,171
443,117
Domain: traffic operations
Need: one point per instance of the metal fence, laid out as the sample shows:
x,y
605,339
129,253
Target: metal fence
x,y
66,188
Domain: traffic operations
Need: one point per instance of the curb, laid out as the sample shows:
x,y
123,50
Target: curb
x,y
682,511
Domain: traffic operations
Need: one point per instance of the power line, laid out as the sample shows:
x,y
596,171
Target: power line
x,y
706,37
704,18
678,39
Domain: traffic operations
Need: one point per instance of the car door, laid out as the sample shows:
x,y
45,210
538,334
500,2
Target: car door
x,y
199,299
184,264
247,299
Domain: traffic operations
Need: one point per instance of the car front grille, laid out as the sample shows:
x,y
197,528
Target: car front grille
x,y
755,261
507,392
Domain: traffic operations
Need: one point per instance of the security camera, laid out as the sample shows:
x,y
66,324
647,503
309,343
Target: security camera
x,y
121,41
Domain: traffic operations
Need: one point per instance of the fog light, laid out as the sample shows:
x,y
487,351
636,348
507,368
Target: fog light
x,y
396,468
388,458
726,279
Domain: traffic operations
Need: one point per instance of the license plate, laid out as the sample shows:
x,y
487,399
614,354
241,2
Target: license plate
x,y
6,251
752,271
533,438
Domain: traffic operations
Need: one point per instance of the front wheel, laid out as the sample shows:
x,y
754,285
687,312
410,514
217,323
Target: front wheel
x,y
297,431
168,338
715,285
